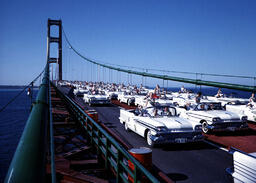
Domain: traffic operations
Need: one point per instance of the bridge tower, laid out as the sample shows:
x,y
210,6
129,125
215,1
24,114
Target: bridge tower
x,y
58,40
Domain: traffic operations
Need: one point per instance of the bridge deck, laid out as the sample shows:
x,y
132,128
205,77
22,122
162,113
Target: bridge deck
x,y
75,160
182,163
244,140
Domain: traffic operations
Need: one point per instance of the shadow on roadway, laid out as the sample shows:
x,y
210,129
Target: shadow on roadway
x,y
187,146
177,176
110,125
245,132
226,178
102,105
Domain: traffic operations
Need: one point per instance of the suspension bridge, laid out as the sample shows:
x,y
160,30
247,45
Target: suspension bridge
x,y
65,140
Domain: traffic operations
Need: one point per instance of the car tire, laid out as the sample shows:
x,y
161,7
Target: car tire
x,y
149,141
204,127
126,127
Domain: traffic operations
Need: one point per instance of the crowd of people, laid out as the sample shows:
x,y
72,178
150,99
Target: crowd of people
x,y
159,94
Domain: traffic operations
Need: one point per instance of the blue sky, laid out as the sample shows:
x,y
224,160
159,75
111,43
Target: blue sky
x,y
209,36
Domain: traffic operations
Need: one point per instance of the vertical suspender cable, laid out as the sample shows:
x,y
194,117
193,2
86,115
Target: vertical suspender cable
x,y
178,79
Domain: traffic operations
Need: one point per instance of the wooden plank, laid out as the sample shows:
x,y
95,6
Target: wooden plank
x,y
74,176
63,123
84,162
73,152
57,111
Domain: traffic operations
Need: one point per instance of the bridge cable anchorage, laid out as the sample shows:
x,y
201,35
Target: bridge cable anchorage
x,y
247,88
15,97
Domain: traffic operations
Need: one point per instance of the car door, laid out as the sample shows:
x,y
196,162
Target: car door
x,y
140,125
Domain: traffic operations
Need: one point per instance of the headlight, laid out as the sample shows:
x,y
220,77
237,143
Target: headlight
x,y
161,129
216,119
153,132
244,118
198,127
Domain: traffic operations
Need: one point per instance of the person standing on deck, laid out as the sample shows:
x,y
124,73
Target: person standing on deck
x,y
71,92
219,93
252,101
198,97
157,92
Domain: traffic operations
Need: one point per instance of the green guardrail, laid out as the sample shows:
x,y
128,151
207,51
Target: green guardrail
x,y
53,170
29,160
116,157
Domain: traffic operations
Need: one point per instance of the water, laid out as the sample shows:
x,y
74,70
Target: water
x,y
12,123
14,117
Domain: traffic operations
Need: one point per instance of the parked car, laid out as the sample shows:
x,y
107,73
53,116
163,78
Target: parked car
x,y
212,116
160,125
79,92
127,98
97,98
243,109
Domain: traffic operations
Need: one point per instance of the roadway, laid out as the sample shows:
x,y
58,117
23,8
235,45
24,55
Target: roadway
x,y
200,162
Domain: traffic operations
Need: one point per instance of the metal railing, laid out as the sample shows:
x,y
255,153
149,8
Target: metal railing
x,y
29,160
53,171
115,156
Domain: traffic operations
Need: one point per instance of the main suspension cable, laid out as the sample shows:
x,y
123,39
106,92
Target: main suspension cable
x,y
173,78
158,70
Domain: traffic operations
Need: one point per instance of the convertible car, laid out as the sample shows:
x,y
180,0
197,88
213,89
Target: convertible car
x,y
160,125
127,98
243,109
212,116
96,98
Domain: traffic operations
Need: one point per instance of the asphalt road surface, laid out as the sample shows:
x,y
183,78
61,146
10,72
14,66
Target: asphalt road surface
x,y
198,162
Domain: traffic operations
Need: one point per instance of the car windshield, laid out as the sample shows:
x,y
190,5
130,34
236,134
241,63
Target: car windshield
x,y
168,111
102,92
238,102
209,106
162,111
141,94
158,111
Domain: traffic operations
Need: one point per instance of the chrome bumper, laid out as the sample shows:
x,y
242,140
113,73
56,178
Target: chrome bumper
x,y
177,138
228,126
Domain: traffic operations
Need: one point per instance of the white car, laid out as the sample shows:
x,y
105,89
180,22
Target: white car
x,y
140,100
225,100
182,100
112,94
188,98
145,102
124,97
243,109
160,129
99,98
212,116
79,92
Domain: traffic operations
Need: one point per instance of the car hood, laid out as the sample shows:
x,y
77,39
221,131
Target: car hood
x,y
219,113
98,97
171,123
